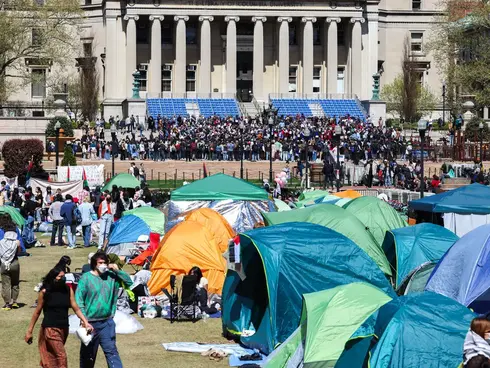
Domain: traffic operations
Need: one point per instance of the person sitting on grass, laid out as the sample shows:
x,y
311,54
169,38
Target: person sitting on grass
x,y
9,268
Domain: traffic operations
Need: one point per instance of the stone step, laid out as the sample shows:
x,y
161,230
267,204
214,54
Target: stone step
x,y
452,186
457,181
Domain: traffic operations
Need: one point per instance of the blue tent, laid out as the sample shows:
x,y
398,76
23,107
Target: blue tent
x,y
408,248
463,274
128,229
281,263
474,198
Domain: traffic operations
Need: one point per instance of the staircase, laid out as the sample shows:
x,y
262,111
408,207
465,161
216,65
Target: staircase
x,y
359,103
453,183
192,109
250,109
316,110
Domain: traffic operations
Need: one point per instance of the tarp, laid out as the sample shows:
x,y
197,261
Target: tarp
x,y
352,194
219,187
187,245
427,330
281,206
127,230
154,218
14,215
462,224
74,188
463,274
338,219
122,180
219,228
377,215
281,263
474,198
408,248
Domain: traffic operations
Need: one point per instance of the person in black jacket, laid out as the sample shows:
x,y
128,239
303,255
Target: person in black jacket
x,y
328,171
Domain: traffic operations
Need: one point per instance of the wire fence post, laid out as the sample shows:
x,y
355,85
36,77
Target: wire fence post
x,y
159,178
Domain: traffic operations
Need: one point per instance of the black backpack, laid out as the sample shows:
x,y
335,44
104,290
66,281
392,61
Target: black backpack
x,y
136,172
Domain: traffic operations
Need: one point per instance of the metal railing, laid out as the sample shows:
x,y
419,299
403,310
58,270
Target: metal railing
x,y
191,95
313,96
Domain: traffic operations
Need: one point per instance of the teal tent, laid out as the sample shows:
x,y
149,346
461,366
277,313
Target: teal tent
x,y
408,248
280,264
338,219
377,215
219,187
122,180
14,215
281,205
417,280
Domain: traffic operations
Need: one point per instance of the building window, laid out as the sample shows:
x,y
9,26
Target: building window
x,y
143,69
191,34
167,34
341,34
142,32
190,82
293,78
292,35
317,78
340,80
416,4
416,39
317,38
87,49
38,83
36,37
166,78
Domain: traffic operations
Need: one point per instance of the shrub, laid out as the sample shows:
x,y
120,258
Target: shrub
x,y
66,125
69,158
17,153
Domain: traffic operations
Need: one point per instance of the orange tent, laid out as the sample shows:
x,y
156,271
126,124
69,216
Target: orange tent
x,y
188,244
348,194
215,223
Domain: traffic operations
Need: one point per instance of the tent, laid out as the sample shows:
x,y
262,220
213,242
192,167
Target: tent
x,y
352,194
464,208
426,330
218,226
125,233
463,274
416,281
329,318
317,200
281,205
188,244
14,215
408,248
377,215
280,264
337,219
313,194
219,187
154,218
122,180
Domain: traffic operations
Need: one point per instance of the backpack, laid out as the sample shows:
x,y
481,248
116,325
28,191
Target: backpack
x,y
76,216
136,172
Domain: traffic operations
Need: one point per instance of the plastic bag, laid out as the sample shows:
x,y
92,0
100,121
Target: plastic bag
x,y
125,324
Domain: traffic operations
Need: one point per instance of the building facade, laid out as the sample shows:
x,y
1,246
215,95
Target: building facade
x,y
250,48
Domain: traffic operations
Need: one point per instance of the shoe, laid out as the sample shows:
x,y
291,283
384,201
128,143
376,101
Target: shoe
x,y
6,307
15,306
39,245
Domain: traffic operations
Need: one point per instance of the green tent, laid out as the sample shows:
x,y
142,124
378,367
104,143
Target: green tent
x,y
377,215
329,319
281,205
331,199
338,219
122,180
416,281
313,194
14,215
219,187
154,218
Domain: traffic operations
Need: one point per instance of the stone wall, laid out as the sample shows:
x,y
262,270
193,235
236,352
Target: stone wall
x,y
23,128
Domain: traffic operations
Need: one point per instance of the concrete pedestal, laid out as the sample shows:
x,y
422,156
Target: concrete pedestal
x,y
112,108
136,107
375,109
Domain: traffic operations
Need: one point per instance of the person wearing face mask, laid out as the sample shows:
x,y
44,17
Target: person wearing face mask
x,y
55,298
96,294
476,348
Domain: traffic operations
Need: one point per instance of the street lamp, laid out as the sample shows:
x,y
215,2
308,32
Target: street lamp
x,y
306,134
57,128
422,125
270,114
338,133
443,103
481,141
241,126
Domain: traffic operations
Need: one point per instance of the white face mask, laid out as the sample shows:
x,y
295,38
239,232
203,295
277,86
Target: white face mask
x,y
102,268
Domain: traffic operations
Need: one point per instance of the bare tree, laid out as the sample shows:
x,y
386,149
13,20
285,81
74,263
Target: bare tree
x,y
410,84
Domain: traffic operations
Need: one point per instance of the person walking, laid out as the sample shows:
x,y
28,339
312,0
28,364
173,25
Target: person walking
x,y
106,220
9,268
87,211
96,295
55,297
67,212
58,222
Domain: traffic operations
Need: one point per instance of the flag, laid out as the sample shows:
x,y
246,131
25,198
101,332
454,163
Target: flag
x,y
84,178
68,173
29,170
204,170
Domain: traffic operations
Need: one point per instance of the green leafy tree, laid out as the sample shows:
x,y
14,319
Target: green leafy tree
x,y
472,130
69,158
65,123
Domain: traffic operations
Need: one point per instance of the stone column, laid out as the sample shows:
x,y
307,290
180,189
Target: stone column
x,y
284,54
231,63
332,55
130,51
356,59
205,45
308,53
111,57
258,55
155,72
180,64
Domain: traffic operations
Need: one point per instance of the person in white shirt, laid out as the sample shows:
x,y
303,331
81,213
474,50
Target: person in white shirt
x,y
202,291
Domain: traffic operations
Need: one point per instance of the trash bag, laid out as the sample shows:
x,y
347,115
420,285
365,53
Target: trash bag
x,y
125,324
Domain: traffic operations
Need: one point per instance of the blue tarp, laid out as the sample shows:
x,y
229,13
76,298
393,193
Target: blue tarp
x,y
409,247
463,274
474,198
128,229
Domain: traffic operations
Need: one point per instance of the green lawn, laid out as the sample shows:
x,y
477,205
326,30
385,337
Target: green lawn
x,y
142,349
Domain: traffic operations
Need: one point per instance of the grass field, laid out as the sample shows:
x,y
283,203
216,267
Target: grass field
x,y
142,349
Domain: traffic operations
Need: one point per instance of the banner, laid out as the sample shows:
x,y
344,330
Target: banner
x,y
10,181
94,173
74,188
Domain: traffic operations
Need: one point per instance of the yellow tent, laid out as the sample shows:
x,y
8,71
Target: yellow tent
x,y
188,244
348,194
215,223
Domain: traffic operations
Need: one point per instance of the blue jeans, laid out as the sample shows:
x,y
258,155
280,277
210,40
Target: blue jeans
x,y
104,334
71,231
105,228
86,231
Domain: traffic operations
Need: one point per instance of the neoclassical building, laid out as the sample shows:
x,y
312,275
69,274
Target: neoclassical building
x,y
253,49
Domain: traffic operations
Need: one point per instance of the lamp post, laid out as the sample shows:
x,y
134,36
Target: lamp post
x,y
338,133
422,125
57,128
270,114
443,103
241,126
306,134
481,141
